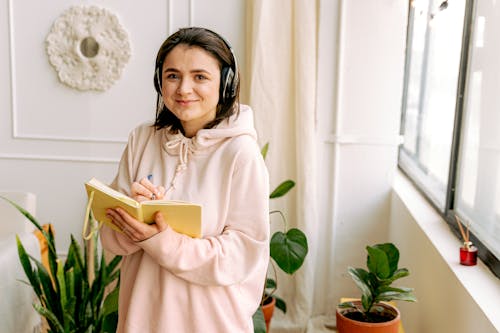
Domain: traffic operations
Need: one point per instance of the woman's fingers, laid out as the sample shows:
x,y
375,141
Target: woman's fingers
x,y
153,191
135,230
160,222
144,190
161,192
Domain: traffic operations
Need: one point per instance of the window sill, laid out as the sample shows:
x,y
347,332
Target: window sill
x,y
478,281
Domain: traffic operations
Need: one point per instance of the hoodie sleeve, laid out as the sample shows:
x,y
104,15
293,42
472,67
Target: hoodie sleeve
x,y
112,240
242,250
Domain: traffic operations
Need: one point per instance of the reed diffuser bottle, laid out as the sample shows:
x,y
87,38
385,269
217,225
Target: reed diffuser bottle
x,y
468,252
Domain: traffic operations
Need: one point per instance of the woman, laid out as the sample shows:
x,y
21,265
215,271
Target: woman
x,y
202,148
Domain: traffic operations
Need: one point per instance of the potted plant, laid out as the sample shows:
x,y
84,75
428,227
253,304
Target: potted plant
x,y
371,314
288,249
71,293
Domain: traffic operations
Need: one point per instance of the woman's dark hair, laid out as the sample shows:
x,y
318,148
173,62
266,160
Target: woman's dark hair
x,y
221,50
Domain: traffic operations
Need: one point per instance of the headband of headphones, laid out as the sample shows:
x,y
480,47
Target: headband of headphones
x,y
229,79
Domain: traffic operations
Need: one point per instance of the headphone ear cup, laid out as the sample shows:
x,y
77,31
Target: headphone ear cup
x,y
227,89
157,80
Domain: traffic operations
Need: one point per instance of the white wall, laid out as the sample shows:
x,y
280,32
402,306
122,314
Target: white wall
x,y
451,297
53,138
362,62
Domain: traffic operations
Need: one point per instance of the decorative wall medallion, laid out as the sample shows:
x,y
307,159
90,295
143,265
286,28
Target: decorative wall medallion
x,y
88,47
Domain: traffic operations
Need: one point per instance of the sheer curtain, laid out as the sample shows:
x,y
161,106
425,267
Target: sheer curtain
x,y
282,37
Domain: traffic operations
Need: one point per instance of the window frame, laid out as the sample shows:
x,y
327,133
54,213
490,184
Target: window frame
x,y
448,212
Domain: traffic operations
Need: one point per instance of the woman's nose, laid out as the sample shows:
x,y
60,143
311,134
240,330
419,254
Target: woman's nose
x,y
185,86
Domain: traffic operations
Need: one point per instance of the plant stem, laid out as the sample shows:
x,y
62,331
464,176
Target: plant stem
x,y
282,218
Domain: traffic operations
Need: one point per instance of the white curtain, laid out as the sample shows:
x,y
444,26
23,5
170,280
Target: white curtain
x,y
282,37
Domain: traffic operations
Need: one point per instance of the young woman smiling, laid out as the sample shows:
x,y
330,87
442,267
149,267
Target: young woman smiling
x,y
201,148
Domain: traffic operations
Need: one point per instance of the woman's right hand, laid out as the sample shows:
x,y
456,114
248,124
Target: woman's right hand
x,y
145,190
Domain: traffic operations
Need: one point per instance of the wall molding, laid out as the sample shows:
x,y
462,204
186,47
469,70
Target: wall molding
x,y
58,158
16,133
347,139
86,139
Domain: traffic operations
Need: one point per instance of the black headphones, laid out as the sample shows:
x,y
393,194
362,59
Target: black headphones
x,y
229,78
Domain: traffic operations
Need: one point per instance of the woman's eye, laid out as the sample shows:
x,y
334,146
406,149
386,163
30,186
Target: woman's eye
x,y
172,76
200,77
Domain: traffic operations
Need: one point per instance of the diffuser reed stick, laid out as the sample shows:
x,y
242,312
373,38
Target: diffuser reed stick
x,y
465,234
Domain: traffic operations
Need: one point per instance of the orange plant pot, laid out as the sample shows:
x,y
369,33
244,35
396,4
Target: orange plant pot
x,y
347,325
268,310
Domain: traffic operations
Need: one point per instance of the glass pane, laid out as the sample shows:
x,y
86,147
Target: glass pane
x,y
478,186
431,92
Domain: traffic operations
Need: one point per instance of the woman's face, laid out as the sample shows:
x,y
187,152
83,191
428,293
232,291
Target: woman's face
x,y
190,86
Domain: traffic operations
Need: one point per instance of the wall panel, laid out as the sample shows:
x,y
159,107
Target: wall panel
x,y
53,137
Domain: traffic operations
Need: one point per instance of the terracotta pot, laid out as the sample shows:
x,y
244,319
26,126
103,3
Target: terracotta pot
x,y
347,325
268,310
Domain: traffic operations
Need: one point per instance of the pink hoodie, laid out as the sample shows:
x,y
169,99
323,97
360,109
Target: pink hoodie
x,y
174,283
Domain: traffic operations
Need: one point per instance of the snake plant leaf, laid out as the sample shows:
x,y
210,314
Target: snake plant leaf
x,y
61,281
24,212
110,304
282,189
28,269
111,266
77,255
110,322
289,250
52,320
51,301
65,297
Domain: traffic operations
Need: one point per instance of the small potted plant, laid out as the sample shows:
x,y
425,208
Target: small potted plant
x,y
288,249
371,314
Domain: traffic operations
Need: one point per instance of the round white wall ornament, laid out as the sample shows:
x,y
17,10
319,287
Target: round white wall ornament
x,y
88,47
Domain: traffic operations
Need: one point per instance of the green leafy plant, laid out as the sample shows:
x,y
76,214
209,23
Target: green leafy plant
x,y
375,284
68,298
288,250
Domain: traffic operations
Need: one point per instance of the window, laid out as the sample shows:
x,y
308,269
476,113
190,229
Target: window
x,y
450,115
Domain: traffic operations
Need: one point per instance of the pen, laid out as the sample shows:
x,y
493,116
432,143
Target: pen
x,y
150,178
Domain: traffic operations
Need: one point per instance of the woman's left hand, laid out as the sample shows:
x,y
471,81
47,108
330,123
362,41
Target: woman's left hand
x,y
134,229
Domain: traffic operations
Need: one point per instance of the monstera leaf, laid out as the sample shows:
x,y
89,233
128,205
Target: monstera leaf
x,y
289,249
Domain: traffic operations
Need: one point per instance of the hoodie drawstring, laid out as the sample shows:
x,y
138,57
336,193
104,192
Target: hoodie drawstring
x,y
184,149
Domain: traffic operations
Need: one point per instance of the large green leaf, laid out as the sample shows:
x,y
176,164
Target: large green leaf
x,y
259,323
361,278
289,250
392,295
377,262
280,303
270,283
282,189
392,253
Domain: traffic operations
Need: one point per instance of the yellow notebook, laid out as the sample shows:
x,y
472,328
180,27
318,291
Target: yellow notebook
x,y
182,216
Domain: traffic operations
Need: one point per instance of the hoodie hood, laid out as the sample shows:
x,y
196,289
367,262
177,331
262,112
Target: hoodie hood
x,y
205,140
238,124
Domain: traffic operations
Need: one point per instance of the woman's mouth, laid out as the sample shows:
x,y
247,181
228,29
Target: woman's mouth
x,y
183,102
